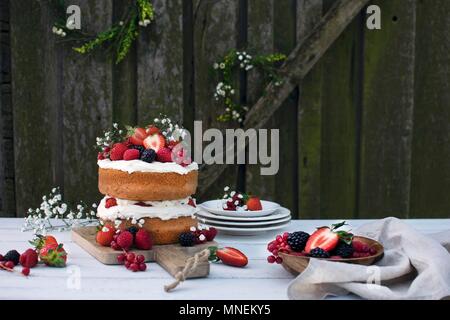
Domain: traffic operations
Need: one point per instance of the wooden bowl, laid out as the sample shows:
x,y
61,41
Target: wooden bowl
x,y
296,264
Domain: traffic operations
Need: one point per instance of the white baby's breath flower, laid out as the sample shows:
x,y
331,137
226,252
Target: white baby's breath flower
x,y
222,65
216,66
193,229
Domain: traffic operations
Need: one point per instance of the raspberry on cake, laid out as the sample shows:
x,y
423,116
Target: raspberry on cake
x,y
147,179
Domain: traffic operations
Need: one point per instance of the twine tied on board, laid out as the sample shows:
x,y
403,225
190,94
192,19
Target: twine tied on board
x,y
191,265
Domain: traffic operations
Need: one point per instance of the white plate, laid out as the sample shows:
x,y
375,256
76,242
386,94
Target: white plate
x,y
249,231
243,224
215,206
278,214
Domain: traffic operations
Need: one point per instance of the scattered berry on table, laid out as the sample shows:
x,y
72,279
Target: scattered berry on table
x,y
297,240
134,267
143,240
10,264
344,250
1,257
142,267
12,256
319,253
26,271
131,154
125,240
187,239
53,255
29,259
148,155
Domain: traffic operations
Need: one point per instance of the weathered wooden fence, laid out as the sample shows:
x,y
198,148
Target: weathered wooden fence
x,y
365,135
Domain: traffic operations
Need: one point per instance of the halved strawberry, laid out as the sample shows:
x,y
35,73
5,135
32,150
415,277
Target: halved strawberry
x,y
155,142
151,130
138,136
327,239
232,257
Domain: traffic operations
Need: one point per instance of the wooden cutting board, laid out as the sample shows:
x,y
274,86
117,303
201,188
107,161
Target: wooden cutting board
x,y
171,257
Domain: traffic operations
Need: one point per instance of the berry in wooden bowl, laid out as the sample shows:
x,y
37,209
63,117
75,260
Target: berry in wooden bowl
x,y
294,250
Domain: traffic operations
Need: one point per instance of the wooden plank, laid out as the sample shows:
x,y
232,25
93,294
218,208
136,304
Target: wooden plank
x,y
430,172
124,77
171,257
387,112
260,41
342,65
87,107
35,102
160,64
309,119
215,34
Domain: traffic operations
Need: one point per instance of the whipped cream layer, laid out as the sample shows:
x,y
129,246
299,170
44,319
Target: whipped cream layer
x,y
127,209
142,166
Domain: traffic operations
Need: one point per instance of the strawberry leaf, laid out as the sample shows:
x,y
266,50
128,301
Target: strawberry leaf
x,y
212,254
338,225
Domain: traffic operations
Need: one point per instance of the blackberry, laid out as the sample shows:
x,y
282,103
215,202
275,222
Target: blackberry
x,y
13,256
344,250
319,253
297,240
187,239
137,147
148,155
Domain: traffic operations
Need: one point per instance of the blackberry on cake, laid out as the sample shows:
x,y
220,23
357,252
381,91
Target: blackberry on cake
x,y
148,155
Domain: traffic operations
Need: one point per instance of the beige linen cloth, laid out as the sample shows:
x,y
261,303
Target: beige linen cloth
x,y
414,266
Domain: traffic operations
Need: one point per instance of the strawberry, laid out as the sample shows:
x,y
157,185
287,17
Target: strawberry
x,y
155,142
110,202
29,258
232,257
192,203
143,240
137,138
327,239
105,235
254,204
164,155
117,151
41,241
53,255
151,130
125,240
131,154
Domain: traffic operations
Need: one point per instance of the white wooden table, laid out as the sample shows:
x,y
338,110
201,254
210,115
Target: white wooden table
x,y
85,278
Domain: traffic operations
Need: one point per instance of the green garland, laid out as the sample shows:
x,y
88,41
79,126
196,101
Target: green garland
x,y
232,62
119,37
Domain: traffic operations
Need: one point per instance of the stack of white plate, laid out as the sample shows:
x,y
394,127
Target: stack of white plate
x,y
272,217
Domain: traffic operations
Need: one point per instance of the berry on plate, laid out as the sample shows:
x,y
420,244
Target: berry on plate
x,y
155,142
254,204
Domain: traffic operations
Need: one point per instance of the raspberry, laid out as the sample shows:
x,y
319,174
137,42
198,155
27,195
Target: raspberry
x,y
131,154
117,151
110,202
115,246
26,271
210,234
29,258
143,240
148,155
164,155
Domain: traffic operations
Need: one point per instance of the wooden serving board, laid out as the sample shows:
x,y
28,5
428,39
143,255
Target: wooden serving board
x,y
171,257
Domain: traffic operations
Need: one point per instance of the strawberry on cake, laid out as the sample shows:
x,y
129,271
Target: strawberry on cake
x,y
147,179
